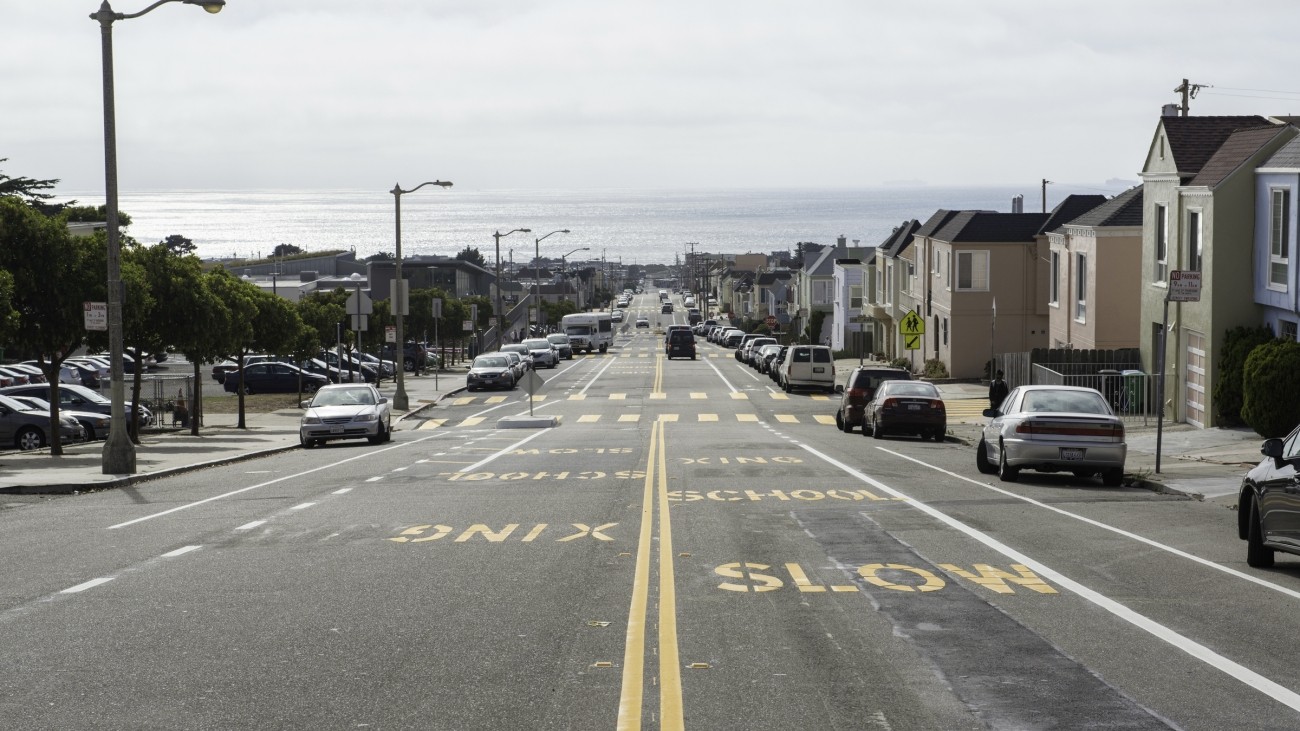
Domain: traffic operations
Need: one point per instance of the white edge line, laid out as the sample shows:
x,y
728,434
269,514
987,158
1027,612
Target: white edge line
x,y
302,506
271,482
1233,669
181,551
347,489
514,446
250,526
86,585
724,378
1119,531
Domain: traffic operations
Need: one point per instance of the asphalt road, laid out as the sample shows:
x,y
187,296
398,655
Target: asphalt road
x,y
690,547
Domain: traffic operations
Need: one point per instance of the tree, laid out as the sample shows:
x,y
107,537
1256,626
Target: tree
x,y
323,311
381,256
29,190
92,214
1271,394
53,273
178,245
471,254
182,311
236,334
286,250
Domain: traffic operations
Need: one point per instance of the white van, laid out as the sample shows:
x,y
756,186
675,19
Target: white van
x,y
808,366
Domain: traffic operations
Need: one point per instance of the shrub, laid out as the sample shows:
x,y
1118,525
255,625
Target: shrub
x,y
1271,392
935,368
1237,345
904,363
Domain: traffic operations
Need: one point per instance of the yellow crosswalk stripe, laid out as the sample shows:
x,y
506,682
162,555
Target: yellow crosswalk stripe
x,y
462,401
821,398
496,399
537,398
432,424
578,397
629,417
824,419
668,417
779,396
618,397
698,395
588,418
739,395
658,395
746,417
787,418
472,421
708,417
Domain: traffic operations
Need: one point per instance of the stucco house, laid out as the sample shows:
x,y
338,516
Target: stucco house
x,y
1277,283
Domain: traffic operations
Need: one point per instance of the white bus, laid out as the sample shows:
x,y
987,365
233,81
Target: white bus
x,y
589,330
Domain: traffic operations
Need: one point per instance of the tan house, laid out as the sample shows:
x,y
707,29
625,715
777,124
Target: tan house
x,y
1100,251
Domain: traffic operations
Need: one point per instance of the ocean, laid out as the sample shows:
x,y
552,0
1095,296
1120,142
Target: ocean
x,y
626,225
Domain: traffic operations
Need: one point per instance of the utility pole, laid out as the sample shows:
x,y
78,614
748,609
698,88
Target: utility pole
x,y
1188,91
1046,183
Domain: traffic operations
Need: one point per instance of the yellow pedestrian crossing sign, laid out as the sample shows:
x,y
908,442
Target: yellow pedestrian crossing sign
x,y
911,342
911,324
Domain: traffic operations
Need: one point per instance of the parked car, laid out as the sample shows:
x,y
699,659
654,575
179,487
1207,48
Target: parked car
x,y
680,344
808,366
859,388
1053,429
522,351
666,308
272,377
386,367
763,359
1266,517
642,321
774,369
94,423
26,428
518,366
731,338
745,354
562,345
222,369
906,407
34,373
346,411
413,354
616,316
544,354
490,371
321,368
78,398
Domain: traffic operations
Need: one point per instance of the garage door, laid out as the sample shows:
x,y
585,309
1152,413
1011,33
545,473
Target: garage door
x,y
1196,378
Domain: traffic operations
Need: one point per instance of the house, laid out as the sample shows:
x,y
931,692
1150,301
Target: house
x,y
1199,213
1101,249
893,279
815,285
1277,283
848,329
771,294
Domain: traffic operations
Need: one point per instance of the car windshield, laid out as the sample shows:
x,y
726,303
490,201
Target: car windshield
x,y
344,397
494,362
10,403
538,344
558,339
1079,402
578,329
34,403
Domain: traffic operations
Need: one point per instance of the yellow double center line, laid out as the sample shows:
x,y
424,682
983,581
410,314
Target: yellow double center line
x,y
670,676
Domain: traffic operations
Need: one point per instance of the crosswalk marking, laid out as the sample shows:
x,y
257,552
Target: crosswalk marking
x,y
708,417
588,418
462,401
747,417
698,395
618,397
668,417
496,399
629,417
787,418
739,395
824,419
537,398
578,397
472,421
432,424
779,396
658,395
821,398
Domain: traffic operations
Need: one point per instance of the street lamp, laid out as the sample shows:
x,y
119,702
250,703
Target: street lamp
x,y
119,453
564,263
501,316
400,400
537,275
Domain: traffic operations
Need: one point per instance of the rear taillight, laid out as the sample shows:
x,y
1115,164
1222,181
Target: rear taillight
x,y
859,394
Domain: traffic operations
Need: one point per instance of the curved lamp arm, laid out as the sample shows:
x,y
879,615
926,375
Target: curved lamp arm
x,y
397,188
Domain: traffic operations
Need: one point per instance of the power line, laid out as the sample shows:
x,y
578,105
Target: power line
x,y
1266,91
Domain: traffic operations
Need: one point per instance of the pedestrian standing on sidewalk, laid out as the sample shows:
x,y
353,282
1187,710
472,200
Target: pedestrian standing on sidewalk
x,y
997,391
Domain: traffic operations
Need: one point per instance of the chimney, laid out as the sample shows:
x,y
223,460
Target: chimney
x,y
1169,110
842,241
1018,204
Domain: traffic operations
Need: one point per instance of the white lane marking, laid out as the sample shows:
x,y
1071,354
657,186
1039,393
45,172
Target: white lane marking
x,y
709,363
181,551
1228,667
599,373
1119,531
87,585
488,411
746,370
223,495
250,526
510,448
400,469
375,479
346,489
302,506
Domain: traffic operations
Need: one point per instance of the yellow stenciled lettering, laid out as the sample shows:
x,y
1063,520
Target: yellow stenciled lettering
x,y
527,451
807,495
787,460
479,476
488,533
515,476
584,530
748,460
868,572
842,496
801,579
996,579
591,475
684,496
536,531
412,531
717,495
745,572
630,475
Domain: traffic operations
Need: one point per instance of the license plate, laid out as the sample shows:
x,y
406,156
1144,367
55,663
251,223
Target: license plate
x,y
913,407
336,430
1071,454
819,369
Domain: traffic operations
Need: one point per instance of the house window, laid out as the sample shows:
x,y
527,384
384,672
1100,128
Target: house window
x,y
1161,272
1194,251
945,331
889,282
1054,282
947,255
972,271
1080,287
1286,329
1279,245
822,293
855,297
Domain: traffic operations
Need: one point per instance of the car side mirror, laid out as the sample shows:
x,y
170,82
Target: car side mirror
x,y
839,388
1273,448
303,404
383,399
992,413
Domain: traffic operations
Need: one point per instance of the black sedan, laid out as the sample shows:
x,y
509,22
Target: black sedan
x,y
1266,516
271,377
906,407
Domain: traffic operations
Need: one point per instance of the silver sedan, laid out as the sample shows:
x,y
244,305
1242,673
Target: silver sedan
x,y
1053,429
346,411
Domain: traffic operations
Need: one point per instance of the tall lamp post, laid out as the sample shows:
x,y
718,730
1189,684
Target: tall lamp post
x,y
537,276
400,400
119,453
564,262
501,315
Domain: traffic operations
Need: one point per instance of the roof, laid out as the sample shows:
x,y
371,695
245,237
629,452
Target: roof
x,y
768,278
935,222
1071,208
1124,209
899,239
1194,140
1237,149
1286,157
990,227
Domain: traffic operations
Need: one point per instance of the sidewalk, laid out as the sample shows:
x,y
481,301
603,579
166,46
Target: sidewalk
x,y
171,452
1201,463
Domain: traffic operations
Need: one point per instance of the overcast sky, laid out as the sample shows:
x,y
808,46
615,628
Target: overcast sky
x,y
495,94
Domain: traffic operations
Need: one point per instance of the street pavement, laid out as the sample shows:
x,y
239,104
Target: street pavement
x,y
1204,464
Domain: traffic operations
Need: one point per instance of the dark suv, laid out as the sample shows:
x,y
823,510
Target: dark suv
x,y
681,344
413,355
858,389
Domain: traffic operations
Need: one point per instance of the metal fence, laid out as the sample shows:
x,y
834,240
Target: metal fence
x,y
168,397
1130,392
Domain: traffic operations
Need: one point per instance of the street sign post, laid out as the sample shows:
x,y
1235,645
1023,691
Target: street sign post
x,y
390,333
1184,286
911,324
96,314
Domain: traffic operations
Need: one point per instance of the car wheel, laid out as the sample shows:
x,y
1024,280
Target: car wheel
x,y
982,462
1006,472
388,432
379,437
29,438
1257,554
877,430
839,422
938,435
90,432
311,387
1113,477
306,443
